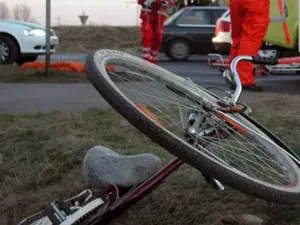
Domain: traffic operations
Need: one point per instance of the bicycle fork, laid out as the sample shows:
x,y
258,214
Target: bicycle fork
x,y
195,121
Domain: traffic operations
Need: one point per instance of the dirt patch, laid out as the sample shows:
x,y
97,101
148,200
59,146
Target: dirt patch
x,y
91,38
13,73
42,155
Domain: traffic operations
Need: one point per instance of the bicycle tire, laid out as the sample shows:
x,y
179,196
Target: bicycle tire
x,y
176,146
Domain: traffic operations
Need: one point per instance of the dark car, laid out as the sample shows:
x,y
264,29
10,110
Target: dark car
x,y
190,31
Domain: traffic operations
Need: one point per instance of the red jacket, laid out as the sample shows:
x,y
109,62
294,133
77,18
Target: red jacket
x,y
158,12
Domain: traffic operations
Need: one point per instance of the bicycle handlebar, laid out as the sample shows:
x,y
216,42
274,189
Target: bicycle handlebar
x,y
253,59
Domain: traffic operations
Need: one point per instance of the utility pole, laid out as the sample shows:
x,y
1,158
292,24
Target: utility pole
x,y
48,28
58,19
137,11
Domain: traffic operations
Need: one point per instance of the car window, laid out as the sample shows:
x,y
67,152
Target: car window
x,y
217,14
172,17
196,17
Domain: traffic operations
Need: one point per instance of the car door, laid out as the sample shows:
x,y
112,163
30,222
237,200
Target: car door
x,y
198,24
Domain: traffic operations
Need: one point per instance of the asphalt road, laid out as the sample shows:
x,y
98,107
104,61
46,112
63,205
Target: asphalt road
x,y
29,98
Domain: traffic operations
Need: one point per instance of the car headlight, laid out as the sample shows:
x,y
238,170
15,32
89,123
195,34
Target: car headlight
x,y
35,32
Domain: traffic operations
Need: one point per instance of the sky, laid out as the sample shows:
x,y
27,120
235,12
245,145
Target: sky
x,y
109,12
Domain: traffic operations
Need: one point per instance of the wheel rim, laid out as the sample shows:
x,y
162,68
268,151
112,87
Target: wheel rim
x,y
4,51
179,50
132,79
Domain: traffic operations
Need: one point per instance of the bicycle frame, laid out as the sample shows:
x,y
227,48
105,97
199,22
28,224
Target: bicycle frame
x,y
138,192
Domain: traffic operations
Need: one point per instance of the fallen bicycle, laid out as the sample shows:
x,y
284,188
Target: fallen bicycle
x,y
200,135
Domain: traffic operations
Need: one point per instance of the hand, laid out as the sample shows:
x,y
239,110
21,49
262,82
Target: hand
x,y
165,3
149,3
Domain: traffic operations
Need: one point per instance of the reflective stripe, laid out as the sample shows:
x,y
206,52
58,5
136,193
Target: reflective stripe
x,y
154,53
146,49
146,10
284,24
146,55
162,13
154,57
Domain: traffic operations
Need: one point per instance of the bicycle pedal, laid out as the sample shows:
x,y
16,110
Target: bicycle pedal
x,y
214,183
217,184
83,212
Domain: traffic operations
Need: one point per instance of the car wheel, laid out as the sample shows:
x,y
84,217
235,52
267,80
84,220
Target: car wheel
x,y
25,59
9,50
178,49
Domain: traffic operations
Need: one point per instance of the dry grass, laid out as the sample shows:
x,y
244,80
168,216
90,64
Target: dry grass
x,y
12,73
90,38
42,154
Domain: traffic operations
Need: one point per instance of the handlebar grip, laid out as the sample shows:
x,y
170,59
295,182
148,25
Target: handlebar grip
x,y
264,60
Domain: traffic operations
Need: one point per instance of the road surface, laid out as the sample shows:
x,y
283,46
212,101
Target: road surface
x,y
30,98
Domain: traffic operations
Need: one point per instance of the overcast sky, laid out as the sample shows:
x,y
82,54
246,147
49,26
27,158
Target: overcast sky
x,y
110,12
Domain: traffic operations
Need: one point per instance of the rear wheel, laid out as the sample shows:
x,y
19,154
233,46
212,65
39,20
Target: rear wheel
x,y
178,49
229,147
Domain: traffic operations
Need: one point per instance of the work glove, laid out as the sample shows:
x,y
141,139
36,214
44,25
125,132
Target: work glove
x,y
149,3
164,3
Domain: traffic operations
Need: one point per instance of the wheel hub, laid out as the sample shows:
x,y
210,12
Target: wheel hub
x,y
180,50
4,51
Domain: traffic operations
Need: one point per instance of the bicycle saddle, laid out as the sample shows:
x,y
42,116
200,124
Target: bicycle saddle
x,y
102,167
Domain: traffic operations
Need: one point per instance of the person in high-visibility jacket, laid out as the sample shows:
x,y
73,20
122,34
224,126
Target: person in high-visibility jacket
x,y
153,15
249,25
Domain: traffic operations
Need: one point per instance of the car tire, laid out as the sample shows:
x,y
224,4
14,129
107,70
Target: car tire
x,y
25,59
10,47
178,50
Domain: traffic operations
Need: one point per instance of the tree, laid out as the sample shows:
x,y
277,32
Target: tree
x,y
4,11
22,12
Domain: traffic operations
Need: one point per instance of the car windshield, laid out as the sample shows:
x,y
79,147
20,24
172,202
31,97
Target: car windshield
x,y
171,18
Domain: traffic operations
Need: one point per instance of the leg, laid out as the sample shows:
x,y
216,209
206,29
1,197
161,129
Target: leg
x,y
236,17
146,33
158,29
255,27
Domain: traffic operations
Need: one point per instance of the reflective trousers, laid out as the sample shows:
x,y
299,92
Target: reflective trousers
x,y
152,36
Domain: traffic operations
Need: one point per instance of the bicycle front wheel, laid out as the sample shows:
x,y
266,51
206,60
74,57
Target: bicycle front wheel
x,y
229,147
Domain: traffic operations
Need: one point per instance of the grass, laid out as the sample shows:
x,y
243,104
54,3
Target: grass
x,y
41,156
12,73
91,38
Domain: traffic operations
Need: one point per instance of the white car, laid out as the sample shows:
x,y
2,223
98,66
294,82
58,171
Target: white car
x,y
22,42
222,39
